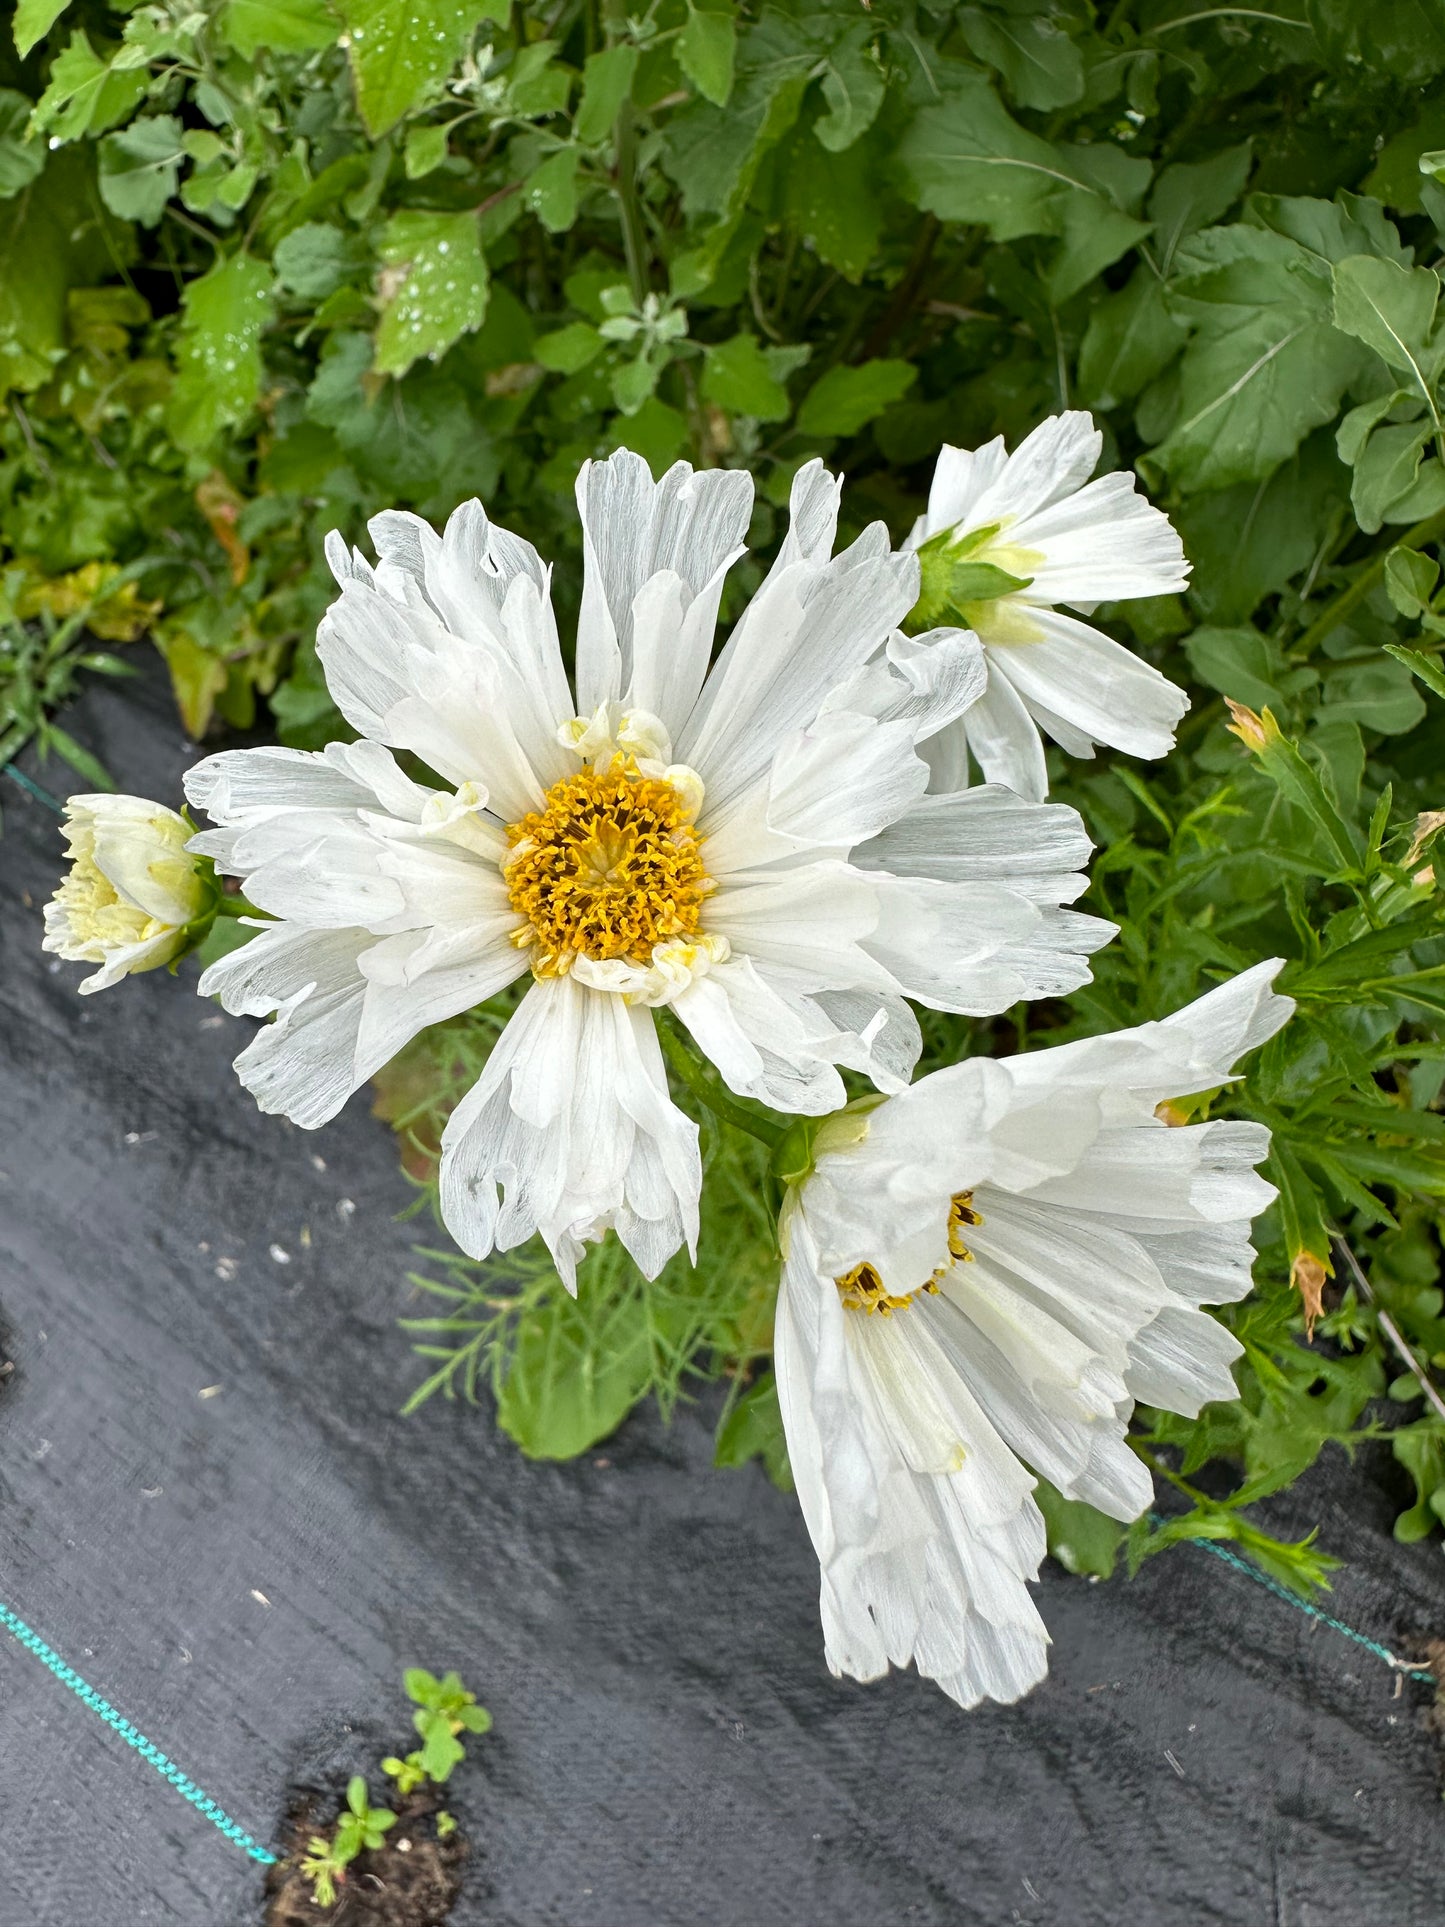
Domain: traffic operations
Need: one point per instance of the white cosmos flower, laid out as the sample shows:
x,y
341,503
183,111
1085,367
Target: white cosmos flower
x,y
131,890
1036,516
750,845
981,1277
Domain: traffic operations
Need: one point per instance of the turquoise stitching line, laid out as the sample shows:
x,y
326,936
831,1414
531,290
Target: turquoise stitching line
x,y
1310,1612
168,1770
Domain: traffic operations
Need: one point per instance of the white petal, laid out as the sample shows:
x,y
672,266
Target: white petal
x,y
960,477
927,681
1105,691
1053,461
805,924
986,835
1002,738
304,1064
689,527
843,778
570,1130
1103,544
759,1042
1182,1361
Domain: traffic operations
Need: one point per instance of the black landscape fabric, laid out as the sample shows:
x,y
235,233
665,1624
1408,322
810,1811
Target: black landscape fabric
x,y
211,1508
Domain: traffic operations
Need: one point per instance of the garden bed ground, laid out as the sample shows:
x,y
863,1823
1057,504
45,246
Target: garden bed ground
x,y
209,1506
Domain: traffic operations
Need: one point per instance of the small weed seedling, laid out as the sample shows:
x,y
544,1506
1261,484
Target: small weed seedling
x,y
445,1709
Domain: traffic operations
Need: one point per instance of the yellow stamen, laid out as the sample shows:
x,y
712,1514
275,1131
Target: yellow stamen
x,y
608,868
862,1289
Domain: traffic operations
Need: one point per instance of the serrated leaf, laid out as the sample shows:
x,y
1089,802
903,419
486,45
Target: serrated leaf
x,y
402,50
285,26
606,83
1425,667
432,288
218,353
84,94
844,399
140,166
33,20
707,49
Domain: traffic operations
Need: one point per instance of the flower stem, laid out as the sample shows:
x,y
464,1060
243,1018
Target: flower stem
x,y
232,904
708,1088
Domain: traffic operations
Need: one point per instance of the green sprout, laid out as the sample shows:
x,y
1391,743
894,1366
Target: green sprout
x,y
362,1828
444,1709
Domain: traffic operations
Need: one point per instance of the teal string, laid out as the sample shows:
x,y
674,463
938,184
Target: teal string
x,y
1310,1611
148,1751
29,784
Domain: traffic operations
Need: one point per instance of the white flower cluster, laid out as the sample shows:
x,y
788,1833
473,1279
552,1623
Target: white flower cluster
x,y
781,851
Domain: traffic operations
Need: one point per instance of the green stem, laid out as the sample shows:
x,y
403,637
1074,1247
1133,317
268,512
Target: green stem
x,y
634,239
708,1088
232,904
1355,592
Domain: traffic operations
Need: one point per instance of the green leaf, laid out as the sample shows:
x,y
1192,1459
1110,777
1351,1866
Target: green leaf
x,y
1425,667
714,155
1385,471
313,260
570,348
551,190
844,399
1266,364
1131,338
1392,310
656,432
1036,60
432,288
853,88
1410,580
285,26
33,20
51,237
967,160
606,83
1080,1538
218,354
832,201
736,376
1191,194
578,1367
424,152
140,166
20,160
402,50
707,49
84,95
753,1429
441,1750
1420,1448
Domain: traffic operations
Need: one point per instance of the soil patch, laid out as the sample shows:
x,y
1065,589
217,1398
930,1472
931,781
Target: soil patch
x,y
411,1881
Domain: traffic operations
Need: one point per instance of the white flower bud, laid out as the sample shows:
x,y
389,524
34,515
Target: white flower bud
x,y
132,888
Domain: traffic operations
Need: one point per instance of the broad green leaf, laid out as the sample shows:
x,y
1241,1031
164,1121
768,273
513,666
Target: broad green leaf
x,y
1080,1538
1410,580
1427,668
1420,1448
1191,194
714,155
707,49
33,20
754,1430
574,1374
1356,427
551,190
1402,38
1385,471
1265,365
844,399
402,50
606,83
536,87
1131,338
20,160
833,202
656,432
1037,61
1329,231
285,26
218,353
85,95
432,287
50,241
1392,310
570,348
1243,664
1377,695
736,376
853,88
140,166
425,150
313,260
1250,540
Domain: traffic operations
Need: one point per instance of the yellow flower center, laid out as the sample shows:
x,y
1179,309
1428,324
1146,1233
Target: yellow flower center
x,y
608,868
861,1289
100,918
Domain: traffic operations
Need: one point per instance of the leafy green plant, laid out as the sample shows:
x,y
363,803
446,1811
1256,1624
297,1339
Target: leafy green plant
x,y
362,1828
266,268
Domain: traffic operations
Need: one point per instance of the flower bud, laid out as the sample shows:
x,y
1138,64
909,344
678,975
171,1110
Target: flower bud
x,y
132,891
